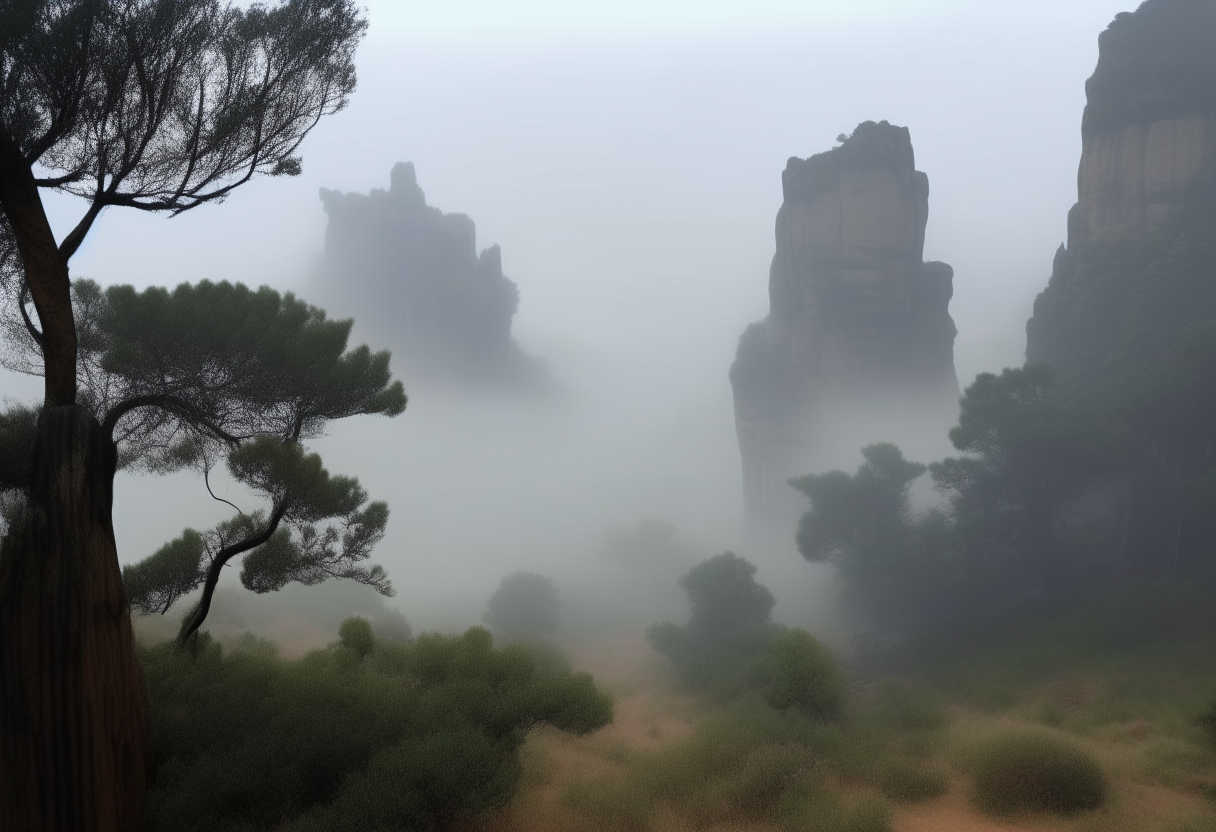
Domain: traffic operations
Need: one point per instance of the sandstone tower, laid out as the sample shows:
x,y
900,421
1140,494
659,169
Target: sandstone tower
x,y
858,326
1132,276
412,275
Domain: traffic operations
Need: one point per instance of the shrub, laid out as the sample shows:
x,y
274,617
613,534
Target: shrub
x,y
727,632
415,737
356,635
1035,772
801,673
524,607
1207,721
725,597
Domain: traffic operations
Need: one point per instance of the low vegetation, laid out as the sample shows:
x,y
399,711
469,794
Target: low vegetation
x,y
1020,771
747,764
367,734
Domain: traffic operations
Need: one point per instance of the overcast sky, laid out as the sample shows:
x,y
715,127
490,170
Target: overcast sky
x,y
627,157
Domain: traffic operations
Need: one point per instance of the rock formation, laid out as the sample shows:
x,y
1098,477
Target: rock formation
x,y
411,275
857,319
1146,193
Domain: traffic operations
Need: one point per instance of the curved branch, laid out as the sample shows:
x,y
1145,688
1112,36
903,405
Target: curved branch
x,y
199,614
207,482
172,404
76,236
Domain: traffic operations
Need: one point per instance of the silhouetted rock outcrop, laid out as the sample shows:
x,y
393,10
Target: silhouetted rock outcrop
x,y
857,319
1133,272
412,275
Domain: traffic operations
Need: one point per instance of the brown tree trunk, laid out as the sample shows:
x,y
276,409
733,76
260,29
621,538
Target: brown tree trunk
x,y
73,707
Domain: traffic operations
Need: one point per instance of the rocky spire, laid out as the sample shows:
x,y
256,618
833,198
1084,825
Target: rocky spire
x,y
1146,193
412,275
856,316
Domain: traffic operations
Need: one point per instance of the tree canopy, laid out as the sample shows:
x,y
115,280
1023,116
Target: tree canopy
x,y
218,372
156,105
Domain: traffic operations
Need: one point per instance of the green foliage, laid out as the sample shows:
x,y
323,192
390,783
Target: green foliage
x,y
742,766
356,635
855,517
728,629
895,565
187,377
1031,453
174,570
725,597
216,361
1036,772
333,532
417,736
802,673
524,607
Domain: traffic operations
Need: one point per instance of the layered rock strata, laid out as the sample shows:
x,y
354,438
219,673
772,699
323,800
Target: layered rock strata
x,y
1146,186
412,276
857,319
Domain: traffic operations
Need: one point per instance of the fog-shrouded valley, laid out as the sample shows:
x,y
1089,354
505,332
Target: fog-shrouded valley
x,y
607,417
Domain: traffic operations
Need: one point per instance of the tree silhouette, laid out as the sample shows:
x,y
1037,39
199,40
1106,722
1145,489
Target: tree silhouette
x,y
525,606
156,105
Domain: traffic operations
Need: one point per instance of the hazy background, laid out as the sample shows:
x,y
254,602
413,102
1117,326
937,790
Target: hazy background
x,y
627,157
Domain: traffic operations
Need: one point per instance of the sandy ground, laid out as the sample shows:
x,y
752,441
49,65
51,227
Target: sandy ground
x,y
650,713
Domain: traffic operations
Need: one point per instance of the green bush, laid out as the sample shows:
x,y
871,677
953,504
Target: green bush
x,y
356,635
801,673
717,650
1036,772
414,737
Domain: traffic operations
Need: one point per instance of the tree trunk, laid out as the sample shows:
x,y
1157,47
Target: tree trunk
x,y
46,272
73,707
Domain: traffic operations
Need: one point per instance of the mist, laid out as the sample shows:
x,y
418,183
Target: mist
x,y
629,166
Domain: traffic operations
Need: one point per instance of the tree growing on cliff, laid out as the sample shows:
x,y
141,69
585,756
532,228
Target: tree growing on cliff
x,y
159,106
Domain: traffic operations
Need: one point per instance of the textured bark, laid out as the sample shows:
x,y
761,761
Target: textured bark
x,y
73,707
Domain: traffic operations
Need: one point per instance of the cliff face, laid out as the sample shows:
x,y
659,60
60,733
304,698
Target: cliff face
x,y
1146,187
1135,180
412,275
855,316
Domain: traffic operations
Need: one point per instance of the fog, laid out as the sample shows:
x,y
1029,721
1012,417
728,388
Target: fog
x,y
628,161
